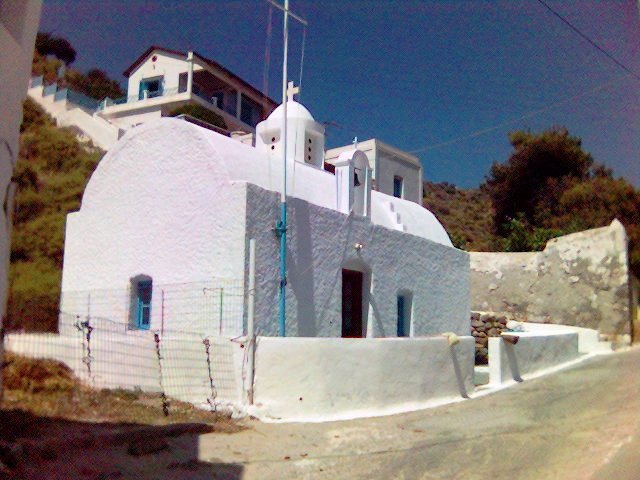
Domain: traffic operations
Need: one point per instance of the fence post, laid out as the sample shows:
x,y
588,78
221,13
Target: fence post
x,y
162,313
163,396
87,329
221,310
251,335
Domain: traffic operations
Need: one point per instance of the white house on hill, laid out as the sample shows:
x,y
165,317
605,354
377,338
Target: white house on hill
x,y
176,204
161,80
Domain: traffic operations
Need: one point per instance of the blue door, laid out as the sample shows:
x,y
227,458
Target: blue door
x,y
143,310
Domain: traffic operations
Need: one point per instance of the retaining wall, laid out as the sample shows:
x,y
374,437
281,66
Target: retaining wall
x,y
580,279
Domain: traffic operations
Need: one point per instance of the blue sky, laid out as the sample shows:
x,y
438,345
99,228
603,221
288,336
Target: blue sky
x,y
447,79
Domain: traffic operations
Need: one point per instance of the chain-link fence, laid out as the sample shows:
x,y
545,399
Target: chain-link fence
x,y
180,364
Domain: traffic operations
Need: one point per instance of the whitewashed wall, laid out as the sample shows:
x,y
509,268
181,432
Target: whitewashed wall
x,y
167,65
534,352
389,166
319,379
157,207
321,242
170,201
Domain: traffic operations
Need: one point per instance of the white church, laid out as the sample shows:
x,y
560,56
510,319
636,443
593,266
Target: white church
x,y
173,203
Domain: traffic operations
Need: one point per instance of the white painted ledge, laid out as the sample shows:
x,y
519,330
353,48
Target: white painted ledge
x,y
588,338
533,353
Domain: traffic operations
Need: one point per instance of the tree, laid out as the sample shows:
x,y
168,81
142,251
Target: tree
x,y
538,170
550,186
95,84
59,47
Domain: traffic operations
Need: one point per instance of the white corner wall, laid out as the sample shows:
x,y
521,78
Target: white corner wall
x,y
533,353
319,379
321,242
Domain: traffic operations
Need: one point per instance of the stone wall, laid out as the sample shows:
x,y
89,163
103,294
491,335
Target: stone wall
x,y
580,279
483,326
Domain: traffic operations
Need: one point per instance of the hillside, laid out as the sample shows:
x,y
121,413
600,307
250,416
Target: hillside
x,y
52,171
467,215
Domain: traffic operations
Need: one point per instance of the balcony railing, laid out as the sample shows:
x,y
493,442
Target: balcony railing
x,y
36,81
214,100
77,98
108,102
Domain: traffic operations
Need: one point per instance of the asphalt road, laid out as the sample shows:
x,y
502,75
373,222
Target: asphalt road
x,y
580,423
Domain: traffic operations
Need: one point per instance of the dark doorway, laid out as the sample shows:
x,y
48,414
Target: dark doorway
x,y
352,303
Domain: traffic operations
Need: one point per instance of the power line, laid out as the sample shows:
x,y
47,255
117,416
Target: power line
x,y
525,116
591,42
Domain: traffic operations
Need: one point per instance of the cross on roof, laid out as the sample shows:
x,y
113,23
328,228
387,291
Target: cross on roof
x,y
291,91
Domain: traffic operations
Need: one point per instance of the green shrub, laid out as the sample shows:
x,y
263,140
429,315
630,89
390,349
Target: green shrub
x,y
201,113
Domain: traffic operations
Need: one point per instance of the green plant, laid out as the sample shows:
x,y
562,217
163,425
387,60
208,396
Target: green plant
x,y
201,113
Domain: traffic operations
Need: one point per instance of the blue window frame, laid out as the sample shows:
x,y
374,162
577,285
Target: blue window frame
x,y
144,289
153,87
397,186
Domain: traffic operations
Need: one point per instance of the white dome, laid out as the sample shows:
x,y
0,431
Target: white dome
x,y
294,110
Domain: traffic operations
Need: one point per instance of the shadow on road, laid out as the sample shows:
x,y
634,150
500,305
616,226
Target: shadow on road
x,y
38,447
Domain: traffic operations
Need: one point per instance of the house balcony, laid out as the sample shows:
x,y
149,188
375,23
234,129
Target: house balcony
x,y
239,112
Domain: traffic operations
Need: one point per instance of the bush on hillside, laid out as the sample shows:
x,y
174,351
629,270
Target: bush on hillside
x,y
201,113
51,174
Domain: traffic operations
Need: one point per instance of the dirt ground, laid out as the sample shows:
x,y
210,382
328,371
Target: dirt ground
x,y
580,423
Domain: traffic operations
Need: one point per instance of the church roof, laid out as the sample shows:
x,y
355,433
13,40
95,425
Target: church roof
x,y
222,161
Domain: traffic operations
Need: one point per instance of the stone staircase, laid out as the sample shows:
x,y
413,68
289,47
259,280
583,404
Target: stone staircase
x,y
72,109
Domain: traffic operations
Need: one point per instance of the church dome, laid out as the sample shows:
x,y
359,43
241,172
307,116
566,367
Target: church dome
x,y
294,110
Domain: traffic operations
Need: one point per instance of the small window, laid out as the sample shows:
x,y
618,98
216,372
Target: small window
x,y
150,88
398,187
141,293
404,314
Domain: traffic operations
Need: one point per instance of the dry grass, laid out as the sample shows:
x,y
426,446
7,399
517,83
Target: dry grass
x,y
467,214
46,392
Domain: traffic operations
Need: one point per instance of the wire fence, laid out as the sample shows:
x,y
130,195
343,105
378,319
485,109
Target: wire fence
x,y
213,307
203,370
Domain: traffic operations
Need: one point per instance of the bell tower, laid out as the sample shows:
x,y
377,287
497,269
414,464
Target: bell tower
x,y
305,136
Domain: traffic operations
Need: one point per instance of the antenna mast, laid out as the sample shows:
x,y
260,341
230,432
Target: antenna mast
x,y
281,225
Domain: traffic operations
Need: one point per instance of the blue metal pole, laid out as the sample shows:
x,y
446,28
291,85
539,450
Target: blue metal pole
x,y
283,266
283,198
